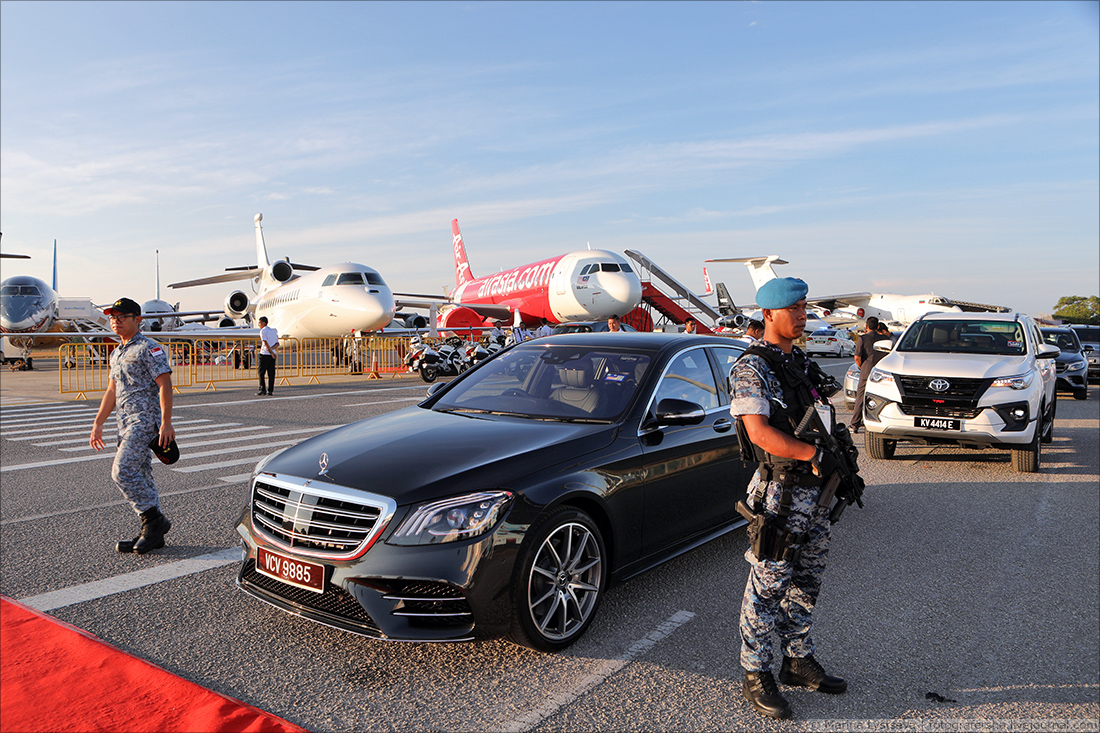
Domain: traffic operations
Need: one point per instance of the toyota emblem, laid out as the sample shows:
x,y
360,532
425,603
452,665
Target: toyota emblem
x,y
323,462
939,385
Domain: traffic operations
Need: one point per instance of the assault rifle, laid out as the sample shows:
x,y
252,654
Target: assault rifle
x,y
846,482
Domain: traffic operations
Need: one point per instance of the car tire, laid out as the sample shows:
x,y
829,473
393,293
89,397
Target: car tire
x,y
1028,458
1081,394
428,373
878,446
561,577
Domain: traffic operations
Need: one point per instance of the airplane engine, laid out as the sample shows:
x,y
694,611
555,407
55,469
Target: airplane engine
x,y
737,320
460,319
415,320
226,323
236,304
282,271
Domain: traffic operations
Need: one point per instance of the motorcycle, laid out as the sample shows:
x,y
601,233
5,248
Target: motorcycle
x,y
448,361
477,353
415,354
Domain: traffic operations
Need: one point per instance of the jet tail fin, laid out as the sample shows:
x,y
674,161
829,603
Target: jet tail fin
x,y
726,305
706,283
462,266
760,268
261,248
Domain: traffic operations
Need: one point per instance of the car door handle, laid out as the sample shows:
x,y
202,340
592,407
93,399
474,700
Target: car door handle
x,y
721,426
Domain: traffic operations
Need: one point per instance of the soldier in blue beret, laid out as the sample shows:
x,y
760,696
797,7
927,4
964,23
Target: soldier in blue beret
x,y
790,535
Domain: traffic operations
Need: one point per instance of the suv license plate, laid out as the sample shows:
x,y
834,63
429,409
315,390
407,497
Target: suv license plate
x,y
308,575
938,423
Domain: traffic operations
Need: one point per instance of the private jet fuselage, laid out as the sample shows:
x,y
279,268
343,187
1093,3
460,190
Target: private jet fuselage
x,y
332,301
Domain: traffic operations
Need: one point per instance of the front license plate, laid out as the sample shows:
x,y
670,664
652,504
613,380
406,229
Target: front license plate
x,y
308,575
939,423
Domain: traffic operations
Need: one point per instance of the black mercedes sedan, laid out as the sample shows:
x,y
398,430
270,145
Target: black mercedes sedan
x,y
544,474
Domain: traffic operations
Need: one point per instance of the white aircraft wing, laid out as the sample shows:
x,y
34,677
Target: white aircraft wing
x,y
226,278
414,300
830,302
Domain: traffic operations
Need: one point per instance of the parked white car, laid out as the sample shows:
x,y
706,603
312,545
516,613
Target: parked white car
x,y
830,342
976,380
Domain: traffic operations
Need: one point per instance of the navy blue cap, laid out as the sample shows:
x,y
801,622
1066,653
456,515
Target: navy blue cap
x,y
782,292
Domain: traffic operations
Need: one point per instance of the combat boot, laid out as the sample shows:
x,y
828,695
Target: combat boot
x,y
806,672
760,690
154,526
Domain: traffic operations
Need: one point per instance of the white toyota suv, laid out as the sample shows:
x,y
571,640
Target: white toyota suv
x,y
976,380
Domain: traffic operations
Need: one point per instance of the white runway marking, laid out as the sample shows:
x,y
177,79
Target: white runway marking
x,y
131,581
119,502
602,671
210,434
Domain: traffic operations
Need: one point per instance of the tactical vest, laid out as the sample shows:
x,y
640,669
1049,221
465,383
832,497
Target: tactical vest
x,y
785,416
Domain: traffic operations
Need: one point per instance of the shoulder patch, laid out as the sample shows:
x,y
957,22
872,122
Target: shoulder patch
x,y
156,350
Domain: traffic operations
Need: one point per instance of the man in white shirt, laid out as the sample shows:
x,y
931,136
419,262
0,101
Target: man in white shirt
x,y
269,344
544,329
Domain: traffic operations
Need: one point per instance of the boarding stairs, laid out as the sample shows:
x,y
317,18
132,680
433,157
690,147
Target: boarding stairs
x,y
672,299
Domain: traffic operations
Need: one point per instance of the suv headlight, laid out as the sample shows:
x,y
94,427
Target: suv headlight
x,y
880,377
453,519
1020,381
1076,366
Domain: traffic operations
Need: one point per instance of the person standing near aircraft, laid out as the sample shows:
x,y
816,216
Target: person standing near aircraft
x,y
773,385
614,324
690,326
269,344
754,331
544,329
140,386
866,357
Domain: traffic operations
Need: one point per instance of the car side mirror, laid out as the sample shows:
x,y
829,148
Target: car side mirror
x,y
671,411
883,345
1087,347
1046,351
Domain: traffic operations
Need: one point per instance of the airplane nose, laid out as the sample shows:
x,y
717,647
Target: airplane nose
x,y
624,290
370,311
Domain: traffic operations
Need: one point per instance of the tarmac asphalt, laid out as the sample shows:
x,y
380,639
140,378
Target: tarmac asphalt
x,y
965,596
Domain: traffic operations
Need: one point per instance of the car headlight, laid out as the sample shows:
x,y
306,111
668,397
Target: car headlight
x,y
451,520
880,377
853,371
1020,381
1076,366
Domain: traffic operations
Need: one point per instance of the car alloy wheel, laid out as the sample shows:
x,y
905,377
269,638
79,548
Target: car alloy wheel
x,y
561,581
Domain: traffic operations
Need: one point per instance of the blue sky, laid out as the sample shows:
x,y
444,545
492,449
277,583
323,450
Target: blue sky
x,y
898,147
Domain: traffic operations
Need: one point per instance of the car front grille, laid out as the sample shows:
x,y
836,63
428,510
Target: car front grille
x,y
335,601
323,520
961,388
964,413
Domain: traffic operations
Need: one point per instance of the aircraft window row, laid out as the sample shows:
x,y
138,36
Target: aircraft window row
x,y
287,298
606,267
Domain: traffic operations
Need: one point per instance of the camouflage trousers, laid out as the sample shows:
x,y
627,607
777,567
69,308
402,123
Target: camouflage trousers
x,y
132,470
780,595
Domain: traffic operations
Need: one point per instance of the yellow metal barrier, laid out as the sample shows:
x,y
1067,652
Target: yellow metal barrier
x,y
84,368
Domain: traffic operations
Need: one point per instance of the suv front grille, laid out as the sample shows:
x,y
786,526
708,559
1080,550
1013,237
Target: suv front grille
x,y
314,520
964,413
961,388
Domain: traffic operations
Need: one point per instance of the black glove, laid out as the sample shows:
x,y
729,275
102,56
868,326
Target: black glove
x,y
823,463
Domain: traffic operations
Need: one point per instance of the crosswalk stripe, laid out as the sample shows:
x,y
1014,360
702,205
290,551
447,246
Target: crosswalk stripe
x,y
199,435
111,431
235,461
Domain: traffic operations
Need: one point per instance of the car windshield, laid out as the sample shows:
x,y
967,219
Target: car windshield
x,y
966,337
1092,335
551,382
1064,340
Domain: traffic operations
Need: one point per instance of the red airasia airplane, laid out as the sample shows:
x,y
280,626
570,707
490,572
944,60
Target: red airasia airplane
x,y
579,286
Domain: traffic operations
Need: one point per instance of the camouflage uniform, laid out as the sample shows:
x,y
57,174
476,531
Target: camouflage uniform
x,y
779,595
135,367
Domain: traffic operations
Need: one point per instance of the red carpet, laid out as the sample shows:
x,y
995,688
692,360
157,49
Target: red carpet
x,y
56,677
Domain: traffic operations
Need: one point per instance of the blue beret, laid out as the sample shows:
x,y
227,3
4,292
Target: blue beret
x,y
781,292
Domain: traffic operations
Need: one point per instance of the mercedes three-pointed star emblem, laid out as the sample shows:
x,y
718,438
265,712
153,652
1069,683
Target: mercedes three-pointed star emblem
x,y
323,462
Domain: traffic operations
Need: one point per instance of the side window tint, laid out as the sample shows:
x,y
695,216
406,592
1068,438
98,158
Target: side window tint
x,y
689,377
726,357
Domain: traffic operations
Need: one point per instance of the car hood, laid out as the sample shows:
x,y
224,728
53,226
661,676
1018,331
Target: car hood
x,y
974,366
416,454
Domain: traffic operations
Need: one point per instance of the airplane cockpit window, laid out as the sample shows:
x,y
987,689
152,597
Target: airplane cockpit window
x,y
609,267
350,278
20,290
588,268
330,280
626,267
373,278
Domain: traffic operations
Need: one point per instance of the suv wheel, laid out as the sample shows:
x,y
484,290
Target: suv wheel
x,y
877,446
1028,458
1081,394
